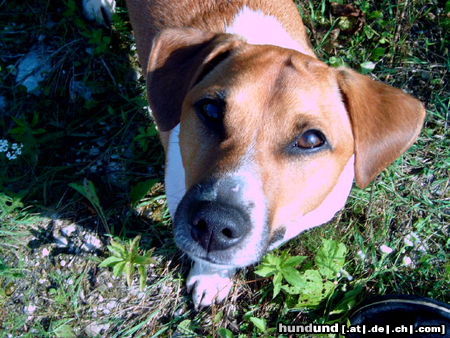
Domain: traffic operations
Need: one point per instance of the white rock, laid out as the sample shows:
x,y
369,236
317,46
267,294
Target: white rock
x,y
61,242
92,243
30,309
33,68
69,230
96,329
111,305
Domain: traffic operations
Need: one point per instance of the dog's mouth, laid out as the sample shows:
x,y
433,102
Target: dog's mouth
x,y
212,262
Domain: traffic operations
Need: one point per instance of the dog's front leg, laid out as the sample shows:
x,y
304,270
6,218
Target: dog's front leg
x,y
209,283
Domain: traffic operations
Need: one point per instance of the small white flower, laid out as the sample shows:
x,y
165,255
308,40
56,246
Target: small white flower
x,y
407,260
3,146
385,249
12,151
346,275
422,248
414,236
408,242
11,156
361,255
412,239
30,309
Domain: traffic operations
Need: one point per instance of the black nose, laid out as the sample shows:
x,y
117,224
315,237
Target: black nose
x,y
217,226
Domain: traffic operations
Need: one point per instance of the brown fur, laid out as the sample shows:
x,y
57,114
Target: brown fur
x,y
149,17
273,94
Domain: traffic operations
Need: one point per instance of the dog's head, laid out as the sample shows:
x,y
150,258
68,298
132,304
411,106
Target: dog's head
x,y
270,139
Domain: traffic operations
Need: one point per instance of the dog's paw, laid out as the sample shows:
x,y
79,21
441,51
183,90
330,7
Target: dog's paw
x,y
208,284
100,11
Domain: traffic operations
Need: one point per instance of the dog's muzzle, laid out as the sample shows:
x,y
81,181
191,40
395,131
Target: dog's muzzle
x,y
218,225
215,222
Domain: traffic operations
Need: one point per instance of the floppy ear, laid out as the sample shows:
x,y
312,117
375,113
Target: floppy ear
x,y
385,121
180,57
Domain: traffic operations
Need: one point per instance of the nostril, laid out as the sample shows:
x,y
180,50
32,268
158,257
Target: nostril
x,y
200,224
218,226
228,233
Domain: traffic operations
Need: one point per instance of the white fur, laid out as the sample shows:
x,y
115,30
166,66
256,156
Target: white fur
x,y
334,202
92,9
174,175
209,283
258,28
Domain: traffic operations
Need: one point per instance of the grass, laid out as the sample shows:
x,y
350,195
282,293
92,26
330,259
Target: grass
x,y
89,123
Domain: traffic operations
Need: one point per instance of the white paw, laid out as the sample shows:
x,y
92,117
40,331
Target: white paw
x,y
209,284
100,11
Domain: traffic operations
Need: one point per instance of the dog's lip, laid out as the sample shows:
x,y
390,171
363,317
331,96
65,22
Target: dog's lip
x,y
206,260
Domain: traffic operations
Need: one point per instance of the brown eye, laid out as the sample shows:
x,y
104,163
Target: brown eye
x,y
211,111
311,139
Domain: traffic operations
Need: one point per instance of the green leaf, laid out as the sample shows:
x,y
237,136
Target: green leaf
x,y
64,331
291,290
133,250
367,67
110,261
118,252
277,279
225,333
118,268
378,53
259,323
348,302
218,317
312,293
293,261
129,270
117,244
88,190
141,189
265,271
144,260
142,276
330,258
185,328
273,260
292,276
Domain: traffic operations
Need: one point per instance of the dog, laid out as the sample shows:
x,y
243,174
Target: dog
x,y
262,139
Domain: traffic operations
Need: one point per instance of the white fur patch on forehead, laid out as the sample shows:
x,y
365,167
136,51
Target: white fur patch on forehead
x,y
258,28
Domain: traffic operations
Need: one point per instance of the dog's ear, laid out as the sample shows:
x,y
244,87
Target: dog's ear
x,y
179,58
385,121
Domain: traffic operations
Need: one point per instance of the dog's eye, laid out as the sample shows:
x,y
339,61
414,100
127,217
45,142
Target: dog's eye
x,y
210,112
310,139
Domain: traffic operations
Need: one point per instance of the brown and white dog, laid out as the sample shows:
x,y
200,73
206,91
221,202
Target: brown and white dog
x,y
262,139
